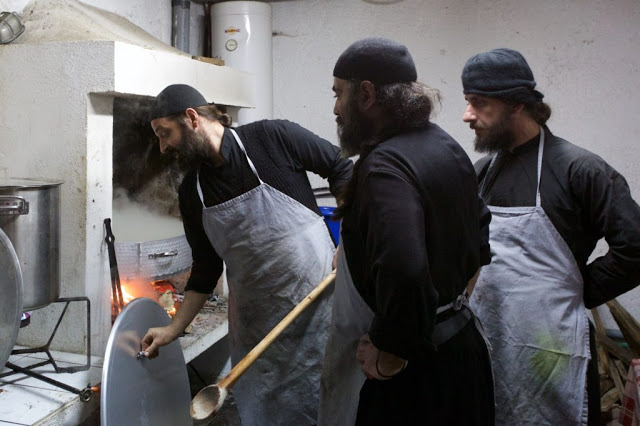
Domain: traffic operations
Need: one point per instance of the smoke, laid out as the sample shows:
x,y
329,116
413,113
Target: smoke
x,y
135,221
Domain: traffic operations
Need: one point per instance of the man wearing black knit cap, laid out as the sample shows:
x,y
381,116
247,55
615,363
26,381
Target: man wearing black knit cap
x,y
404,348
551,201
247,201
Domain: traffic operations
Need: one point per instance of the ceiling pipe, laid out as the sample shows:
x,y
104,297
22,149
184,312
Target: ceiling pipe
x,y
181,22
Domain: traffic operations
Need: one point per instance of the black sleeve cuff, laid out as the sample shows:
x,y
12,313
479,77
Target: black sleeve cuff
x,y
203,279
394,338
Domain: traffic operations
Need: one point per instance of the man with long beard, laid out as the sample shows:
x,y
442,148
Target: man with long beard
x,y
404,348
247,201
551,201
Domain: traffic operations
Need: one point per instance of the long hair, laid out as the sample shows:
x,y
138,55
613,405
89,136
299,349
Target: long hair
x,y
215,112
405,107
211,112
539,111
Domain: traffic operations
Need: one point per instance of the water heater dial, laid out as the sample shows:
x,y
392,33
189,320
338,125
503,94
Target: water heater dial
x,y
231,45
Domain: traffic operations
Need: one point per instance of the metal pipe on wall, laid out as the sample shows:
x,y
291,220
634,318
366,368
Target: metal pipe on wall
x,y
181,22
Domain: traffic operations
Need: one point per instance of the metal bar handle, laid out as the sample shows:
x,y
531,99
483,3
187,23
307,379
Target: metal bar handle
x,y
13,205
165,254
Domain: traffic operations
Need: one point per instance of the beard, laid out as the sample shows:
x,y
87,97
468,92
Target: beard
x,y
353,129
194,149
498,137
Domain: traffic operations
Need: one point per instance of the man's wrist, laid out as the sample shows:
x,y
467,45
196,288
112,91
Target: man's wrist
x,y
388,364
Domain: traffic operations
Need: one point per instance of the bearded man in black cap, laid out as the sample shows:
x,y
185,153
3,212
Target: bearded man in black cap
x,y
551,201
247,201
404,348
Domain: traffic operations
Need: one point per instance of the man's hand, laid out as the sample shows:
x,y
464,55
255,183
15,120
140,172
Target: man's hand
x,y
160,336
472,283
157,337
378,364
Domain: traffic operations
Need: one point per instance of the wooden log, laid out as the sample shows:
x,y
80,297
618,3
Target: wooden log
x,y
628,326
613,373
606,383
611,368
608,400
622,370
607,343
623,354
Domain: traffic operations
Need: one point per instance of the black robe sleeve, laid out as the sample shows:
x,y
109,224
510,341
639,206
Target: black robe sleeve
x,y
614,216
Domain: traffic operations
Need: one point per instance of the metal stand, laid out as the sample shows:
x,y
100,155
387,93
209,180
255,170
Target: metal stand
x,y
84,394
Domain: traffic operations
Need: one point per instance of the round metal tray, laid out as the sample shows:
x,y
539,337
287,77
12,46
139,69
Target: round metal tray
x,y
143,391
11,299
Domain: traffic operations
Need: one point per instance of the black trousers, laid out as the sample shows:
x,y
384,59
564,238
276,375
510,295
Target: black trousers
x,y
593,381
453,386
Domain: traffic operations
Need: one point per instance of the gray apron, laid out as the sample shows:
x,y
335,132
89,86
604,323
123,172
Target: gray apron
x,y
276,251
529,300
342,376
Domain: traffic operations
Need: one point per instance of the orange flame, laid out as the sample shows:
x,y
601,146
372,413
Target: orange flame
x,y
132,289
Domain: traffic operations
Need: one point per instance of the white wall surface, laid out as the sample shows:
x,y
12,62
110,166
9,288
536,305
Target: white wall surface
x,y
153,16
584,55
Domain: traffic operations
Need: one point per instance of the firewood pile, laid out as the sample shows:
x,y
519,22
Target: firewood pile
x,y
614,358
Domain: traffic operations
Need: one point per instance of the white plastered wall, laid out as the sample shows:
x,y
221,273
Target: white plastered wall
x,y
153,16
46,136
584,55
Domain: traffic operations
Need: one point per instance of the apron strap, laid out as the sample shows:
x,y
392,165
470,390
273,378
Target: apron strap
x,y
253,168
456,304
448,328
488,174
199,188
244,151
539,169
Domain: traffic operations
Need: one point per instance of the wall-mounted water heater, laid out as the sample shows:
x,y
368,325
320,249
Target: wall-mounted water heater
x,y
241,35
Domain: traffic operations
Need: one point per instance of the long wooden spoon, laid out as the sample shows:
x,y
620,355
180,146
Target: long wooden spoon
x,y
206,404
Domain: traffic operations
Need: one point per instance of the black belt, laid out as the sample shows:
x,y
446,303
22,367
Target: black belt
x,y
448,328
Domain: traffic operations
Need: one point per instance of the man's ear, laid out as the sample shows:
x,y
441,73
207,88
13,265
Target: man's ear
x,y
367,95
192,118
518,108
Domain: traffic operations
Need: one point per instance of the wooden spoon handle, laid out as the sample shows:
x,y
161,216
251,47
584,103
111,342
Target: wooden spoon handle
x,y
245,362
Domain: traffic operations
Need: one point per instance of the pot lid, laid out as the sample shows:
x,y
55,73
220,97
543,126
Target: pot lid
x,y
28,183
143,391
11,299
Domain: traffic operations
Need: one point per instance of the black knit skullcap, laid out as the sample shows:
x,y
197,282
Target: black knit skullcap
x,y
500,73
174,99
379,60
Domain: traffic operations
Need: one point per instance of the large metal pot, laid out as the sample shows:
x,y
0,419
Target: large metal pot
x,y
153,259
30,216
11,300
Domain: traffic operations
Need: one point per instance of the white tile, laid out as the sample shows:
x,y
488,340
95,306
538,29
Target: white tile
x,y
76,359
78,380
28,405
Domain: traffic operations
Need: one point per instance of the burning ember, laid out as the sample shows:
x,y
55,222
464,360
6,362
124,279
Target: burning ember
x,y
161,291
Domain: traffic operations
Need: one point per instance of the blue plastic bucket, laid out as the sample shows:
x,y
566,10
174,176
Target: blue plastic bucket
x,y
334,226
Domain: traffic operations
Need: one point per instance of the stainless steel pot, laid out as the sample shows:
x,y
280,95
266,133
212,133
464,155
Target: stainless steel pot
x,y
11,300
153,259
30,216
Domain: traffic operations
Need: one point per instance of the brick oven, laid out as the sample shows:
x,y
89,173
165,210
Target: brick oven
x,y
61,81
